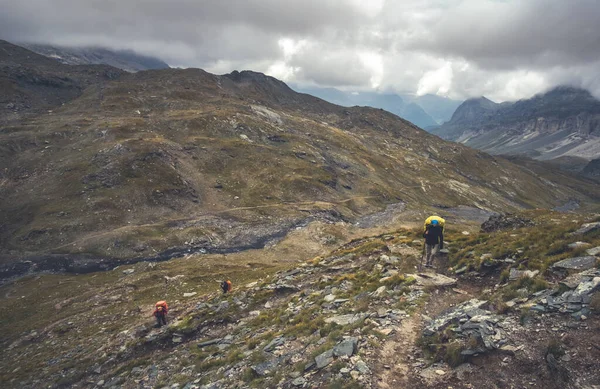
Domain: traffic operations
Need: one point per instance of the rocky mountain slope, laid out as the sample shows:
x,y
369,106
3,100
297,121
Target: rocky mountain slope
x,y
562,122
31,83
507,313
161,163
592,169
125,59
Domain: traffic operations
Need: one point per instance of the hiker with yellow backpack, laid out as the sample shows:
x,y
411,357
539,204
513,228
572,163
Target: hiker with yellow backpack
x,y
433,232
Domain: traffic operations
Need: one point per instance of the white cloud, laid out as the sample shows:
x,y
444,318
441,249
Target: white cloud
x,y
461,48
437,82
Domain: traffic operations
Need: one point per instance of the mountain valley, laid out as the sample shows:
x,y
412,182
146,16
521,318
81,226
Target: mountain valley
x,y
120,189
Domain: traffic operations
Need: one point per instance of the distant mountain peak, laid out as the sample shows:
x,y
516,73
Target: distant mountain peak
x,y
563,121
127,60
249,75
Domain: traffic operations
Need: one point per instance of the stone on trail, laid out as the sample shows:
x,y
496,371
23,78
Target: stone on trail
x,y
279,341
283,289
386,331
191,294
362,367
324,359
379,291
432,279
267,367
593,251
343,320
577,245
577,263
209,342
516,274
300,381
508,349
347,347
469,308
329,298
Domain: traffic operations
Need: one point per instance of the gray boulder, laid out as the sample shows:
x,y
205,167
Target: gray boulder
x,y
577,263
467,309
347,347
278,341
324,359
587,227
343,320
593,251
265,368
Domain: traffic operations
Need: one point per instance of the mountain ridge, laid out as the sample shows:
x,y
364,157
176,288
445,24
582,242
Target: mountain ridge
x,y
127,60
564,121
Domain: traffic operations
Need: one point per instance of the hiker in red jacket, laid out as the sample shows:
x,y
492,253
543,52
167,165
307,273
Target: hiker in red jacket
x,y
160,312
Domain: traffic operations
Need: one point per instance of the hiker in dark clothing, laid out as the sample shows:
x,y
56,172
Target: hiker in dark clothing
x,y
226,286
434,241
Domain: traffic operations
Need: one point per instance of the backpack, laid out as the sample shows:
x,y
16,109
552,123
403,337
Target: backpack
x,y
163,305
441,222
228,285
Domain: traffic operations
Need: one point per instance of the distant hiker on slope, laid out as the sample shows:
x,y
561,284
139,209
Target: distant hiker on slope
x,y
226,286
434,238
160,312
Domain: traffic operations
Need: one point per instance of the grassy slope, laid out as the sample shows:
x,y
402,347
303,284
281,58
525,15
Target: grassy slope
x,y
162,157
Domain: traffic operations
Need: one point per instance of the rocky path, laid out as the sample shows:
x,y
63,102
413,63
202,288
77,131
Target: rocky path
x,y
400,355
394,367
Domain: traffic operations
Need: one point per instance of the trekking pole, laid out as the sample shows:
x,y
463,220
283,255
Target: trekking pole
x,y
422,256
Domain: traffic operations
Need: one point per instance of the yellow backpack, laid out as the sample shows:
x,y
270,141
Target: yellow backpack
x,y
440,221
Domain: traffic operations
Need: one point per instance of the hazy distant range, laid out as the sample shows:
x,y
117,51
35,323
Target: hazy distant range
x,y
425,111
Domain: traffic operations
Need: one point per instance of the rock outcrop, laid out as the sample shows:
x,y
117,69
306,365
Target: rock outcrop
x,y
562,122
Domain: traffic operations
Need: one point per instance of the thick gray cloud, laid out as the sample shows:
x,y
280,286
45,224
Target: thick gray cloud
x,y
504,49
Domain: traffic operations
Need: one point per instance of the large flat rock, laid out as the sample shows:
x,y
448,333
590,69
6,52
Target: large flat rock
x,y
577,263
343,320
432,279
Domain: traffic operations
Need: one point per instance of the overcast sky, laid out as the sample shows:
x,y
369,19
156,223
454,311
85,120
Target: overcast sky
x,y
503,49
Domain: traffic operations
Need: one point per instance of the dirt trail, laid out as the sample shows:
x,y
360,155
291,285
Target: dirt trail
x,y
393,367
394,370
